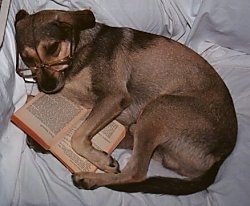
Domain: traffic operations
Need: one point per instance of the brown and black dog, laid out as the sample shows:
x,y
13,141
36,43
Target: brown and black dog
x,y
176,107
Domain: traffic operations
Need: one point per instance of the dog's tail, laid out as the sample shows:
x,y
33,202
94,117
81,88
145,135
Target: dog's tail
x,y
171,186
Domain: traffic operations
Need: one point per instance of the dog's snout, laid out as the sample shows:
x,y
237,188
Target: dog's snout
x,y
51,84
48,86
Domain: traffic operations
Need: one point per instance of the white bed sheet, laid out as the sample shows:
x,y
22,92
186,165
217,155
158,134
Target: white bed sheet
x,y
28,178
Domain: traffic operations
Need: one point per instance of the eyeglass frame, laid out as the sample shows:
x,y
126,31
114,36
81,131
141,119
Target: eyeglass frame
x,y
49,66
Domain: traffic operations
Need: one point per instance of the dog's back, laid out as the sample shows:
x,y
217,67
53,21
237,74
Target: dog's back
x,y
152,65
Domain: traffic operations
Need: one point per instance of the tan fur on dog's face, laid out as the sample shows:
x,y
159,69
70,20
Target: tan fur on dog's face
x,y
49,51
49,40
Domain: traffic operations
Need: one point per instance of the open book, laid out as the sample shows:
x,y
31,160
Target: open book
x,y
4,8
51,121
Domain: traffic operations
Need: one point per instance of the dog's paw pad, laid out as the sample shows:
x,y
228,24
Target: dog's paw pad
x,y
83,183
113,166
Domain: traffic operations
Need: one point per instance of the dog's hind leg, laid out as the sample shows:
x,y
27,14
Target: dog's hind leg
x,y
134,171
145,142
104,111
177,128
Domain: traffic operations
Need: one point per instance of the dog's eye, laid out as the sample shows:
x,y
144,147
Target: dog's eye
x,y
53,49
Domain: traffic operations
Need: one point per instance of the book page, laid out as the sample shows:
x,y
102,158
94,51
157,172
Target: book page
x,y
106,140
51,120
45,116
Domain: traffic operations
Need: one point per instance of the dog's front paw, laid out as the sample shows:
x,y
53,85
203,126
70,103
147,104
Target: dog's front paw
x,y
99,158
111,166
82,182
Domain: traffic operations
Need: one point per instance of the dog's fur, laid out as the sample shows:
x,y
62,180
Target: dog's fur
x,y
176,107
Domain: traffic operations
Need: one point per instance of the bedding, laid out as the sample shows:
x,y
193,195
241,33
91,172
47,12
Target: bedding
x,y
209,27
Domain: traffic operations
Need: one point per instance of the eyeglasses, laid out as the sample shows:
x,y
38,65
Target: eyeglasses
x,y
29,73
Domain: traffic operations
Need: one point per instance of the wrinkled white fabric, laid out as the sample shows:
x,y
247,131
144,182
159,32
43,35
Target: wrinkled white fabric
x,y
223,22
28,178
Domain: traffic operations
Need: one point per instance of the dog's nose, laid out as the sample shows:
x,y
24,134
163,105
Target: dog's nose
x,y
51,84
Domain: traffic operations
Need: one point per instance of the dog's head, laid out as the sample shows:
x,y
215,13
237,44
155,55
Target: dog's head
x,y
45,41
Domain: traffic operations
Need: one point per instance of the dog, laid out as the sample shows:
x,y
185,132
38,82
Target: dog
x,y
175,106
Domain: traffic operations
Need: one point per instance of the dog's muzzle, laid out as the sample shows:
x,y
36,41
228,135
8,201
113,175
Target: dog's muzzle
x,y
29,74
51,82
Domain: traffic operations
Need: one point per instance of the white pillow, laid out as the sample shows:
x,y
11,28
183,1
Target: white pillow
x,y
224,22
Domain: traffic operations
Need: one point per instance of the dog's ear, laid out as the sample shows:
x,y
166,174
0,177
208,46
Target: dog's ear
x,y
21,15
80,20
